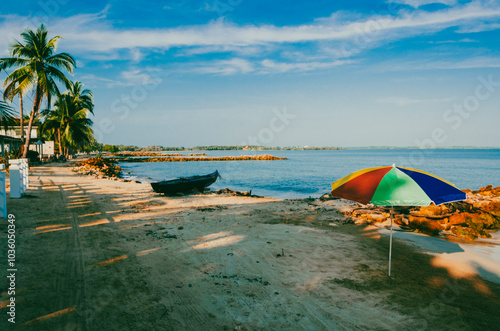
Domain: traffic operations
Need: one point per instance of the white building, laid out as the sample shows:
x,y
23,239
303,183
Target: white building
x,y
45,149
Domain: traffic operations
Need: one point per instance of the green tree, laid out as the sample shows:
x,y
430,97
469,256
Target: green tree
x,y
68,123
83,98
37,69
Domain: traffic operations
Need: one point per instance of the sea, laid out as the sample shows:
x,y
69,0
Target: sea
x,y
310,173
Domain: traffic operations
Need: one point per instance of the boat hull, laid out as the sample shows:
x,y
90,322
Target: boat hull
x,y
185,184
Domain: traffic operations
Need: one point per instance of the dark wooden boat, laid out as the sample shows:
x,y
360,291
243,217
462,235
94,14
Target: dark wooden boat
x,y
185,184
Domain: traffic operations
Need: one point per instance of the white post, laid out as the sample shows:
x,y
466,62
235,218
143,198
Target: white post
x,y
15,181
3,193
20,168
25,174
390,243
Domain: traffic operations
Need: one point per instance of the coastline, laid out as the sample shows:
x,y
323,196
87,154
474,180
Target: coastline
x,y
116,255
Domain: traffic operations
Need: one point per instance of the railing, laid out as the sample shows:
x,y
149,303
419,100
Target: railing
x,y
3,193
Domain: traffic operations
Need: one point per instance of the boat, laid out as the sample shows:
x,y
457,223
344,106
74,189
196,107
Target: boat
x,y
185,184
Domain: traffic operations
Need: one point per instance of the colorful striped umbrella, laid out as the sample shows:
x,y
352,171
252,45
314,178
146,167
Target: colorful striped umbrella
x,y
395,186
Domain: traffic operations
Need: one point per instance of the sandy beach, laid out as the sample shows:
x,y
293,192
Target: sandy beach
x,y
99,254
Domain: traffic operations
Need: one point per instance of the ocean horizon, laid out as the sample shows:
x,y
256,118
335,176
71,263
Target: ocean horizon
x,y
310,173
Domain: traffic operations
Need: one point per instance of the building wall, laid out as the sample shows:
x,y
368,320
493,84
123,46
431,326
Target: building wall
x,y
47,147
15,132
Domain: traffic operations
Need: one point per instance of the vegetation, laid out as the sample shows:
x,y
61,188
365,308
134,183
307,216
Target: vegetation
x,y
67,122
6,114
124,148
39,70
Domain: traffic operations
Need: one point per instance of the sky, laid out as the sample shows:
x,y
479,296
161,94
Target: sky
x,y
279,73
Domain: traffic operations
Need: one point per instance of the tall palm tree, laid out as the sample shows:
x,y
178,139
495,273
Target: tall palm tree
x,y
38,69
83,98
68,123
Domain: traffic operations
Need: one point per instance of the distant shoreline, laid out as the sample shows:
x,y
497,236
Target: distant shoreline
x,y
126,148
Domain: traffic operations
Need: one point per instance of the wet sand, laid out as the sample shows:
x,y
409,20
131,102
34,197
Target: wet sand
x,y
97,254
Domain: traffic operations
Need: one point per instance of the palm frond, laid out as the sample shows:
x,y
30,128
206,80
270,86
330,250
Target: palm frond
x,y
62,60
7,115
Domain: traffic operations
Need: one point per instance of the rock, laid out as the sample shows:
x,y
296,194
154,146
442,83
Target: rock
x,y
425,225
235,193
470,219
433,210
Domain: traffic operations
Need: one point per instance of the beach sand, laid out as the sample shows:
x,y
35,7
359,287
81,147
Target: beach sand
x,y
98,254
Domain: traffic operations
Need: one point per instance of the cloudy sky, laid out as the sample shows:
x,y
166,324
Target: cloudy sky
x,y
280,73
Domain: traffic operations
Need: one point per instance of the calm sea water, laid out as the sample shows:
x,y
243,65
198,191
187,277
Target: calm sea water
x,y
311,173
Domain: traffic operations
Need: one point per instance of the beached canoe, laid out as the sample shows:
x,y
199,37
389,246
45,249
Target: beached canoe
x,y
185,184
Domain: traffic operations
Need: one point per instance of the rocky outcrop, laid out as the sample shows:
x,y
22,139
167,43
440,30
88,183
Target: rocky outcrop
x,y
157,154
473,218
98,167
263,157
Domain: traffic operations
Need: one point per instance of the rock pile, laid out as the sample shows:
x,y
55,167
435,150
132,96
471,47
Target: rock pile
x,y
263,157
157,154
98,167
473,218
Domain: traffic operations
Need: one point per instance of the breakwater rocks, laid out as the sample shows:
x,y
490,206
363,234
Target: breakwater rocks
x,y
148,154
263,157
99,167
470,219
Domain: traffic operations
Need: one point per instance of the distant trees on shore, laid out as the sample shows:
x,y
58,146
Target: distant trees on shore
x,y
123,148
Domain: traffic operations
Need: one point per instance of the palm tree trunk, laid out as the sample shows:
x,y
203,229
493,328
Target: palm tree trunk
x,y
21,122
36,106
60,142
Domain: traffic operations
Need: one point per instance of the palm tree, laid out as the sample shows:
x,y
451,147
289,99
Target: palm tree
x,y
83,98
10,96
68,123
6,114
38,69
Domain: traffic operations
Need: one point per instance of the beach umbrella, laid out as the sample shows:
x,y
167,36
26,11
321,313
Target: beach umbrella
x,y
395,186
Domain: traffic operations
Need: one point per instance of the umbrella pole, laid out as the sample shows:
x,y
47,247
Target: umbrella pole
x,y
390,242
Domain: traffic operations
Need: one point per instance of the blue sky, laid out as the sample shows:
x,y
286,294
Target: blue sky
x,y
280,73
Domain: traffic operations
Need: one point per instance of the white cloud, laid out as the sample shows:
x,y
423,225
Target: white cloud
x,y
464,40
131,77
479,27
271,66
437,63
420,3
266,66
241,50
226,67
89,32
337,38
404,101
